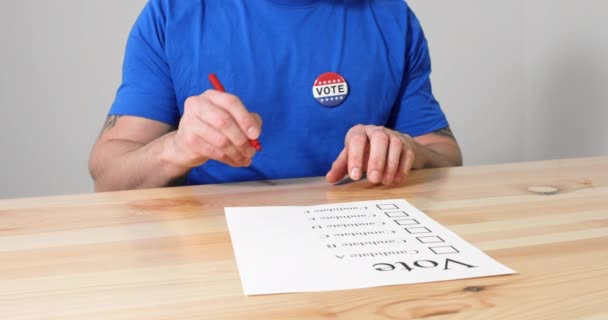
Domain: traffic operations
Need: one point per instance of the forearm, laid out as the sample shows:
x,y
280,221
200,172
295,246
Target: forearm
x,y
437,155
125,165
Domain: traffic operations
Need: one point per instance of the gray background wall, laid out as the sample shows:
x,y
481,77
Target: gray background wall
x,y
519,80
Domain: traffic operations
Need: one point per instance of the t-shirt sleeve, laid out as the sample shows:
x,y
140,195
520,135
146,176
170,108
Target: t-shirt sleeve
x,y
417,112
147,88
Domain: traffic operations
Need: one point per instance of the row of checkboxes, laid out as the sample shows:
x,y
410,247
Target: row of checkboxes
x,y
413,227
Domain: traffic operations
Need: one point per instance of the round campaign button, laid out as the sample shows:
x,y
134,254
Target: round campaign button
x,y
330,89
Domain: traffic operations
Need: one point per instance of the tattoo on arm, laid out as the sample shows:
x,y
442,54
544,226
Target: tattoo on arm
x,y
445,132
110,122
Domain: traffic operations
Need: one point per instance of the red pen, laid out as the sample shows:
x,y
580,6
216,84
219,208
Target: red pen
x,y
217,85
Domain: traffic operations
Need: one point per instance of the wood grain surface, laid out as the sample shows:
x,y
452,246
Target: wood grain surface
x,y
166,253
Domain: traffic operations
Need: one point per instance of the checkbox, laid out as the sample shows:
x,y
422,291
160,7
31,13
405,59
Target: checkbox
x,y
444,250
417,230
430,239
388,206
395,214
407,222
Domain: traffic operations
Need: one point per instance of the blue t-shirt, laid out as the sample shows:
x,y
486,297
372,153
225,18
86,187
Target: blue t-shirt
x,y
271,54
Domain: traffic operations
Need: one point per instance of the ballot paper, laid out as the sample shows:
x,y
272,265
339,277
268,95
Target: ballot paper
x,y
348,246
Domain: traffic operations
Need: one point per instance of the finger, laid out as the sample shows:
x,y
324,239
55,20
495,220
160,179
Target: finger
x,y
223,150
254,143
258,119
393,160
245,120
216,139
356,143
223,122
204,150
407,159
339,168
379,141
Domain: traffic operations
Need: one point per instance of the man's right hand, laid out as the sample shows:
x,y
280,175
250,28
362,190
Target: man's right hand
x,y
133,152
215,125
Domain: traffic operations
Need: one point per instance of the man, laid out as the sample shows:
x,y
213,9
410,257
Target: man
x,y
342,87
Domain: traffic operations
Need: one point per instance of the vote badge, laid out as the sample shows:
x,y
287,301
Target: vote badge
x,y
330,89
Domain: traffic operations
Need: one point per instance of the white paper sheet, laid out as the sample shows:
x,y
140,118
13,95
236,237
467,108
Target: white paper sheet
x,y
348,246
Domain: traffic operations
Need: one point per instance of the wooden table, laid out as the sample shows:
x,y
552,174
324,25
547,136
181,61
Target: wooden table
x,y
166,253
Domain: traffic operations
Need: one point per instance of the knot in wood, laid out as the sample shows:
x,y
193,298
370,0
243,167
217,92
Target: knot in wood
x,y
473,289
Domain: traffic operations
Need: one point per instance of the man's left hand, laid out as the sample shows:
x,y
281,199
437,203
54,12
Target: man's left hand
x,y
386,155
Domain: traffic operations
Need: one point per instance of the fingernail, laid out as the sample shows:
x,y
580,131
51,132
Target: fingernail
x,y
355,174
374,176
398,180
252,133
